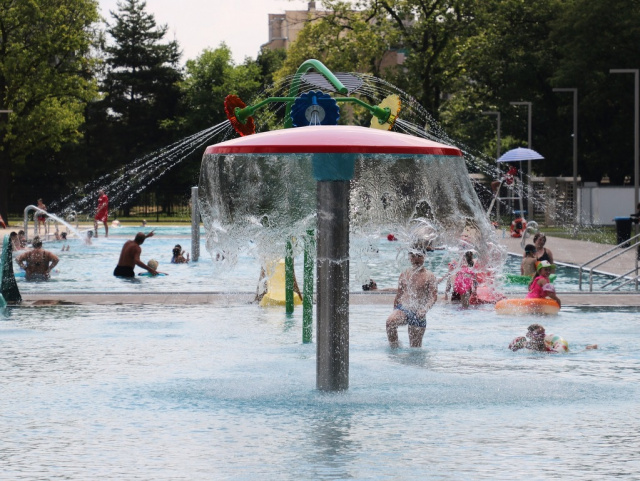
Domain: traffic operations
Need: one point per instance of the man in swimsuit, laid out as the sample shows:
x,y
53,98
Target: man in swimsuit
x,y
130,257
417,292
37,263
102,213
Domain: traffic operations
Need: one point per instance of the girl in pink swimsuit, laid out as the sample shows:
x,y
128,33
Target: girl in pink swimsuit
x,y
540,286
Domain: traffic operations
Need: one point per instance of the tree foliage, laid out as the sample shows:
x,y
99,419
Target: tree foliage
x,y
210,78
45,78
141,85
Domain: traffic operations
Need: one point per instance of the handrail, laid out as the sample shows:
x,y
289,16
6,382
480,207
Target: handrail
x,y
633,242
635,279
616,279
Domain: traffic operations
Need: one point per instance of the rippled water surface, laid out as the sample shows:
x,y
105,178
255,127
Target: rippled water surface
x,y
206,392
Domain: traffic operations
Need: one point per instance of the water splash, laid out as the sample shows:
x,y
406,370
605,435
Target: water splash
x,y
124,184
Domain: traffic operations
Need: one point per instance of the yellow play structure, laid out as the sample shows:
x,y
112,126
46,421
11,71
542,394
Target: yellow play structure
x,y
275,278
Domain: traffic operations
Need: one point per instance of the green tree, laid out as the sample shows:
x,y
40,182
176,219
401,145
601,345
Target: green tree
x,y
355,37
141,84
209,79
343,39
510,57
141,94
45,78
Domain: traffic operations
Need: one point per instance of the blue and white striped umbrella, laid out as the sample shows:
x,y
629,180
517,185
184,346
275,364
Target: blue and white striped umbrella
x,y
520,154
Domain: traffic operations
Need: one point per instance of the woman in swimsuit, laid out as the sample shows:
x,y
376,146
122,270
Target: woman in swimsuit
x,y
542,253
37,263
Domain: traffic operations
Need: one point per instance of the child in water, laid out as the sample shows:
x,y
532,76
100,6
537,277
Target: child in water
x,y
178,255
541,286
417,292
528,265
154,265
537,339
465,282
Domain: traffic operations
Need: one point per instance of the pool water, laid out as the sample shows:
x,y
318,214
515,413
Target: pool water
x,y
90,268
206,392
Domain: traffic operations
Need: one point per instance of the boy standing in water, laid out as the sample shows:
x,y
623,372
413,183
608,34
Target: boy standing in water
x,y
417,292
528,265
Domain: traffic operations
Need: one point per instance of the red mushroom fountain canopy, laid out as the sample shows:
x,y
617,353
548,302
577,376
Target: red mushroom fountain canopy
x,y
332,139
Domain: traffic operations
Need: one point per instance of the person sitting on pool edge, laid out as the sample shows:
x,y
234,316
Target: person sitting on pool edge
x,y
535,341
541,286
417,293
130,257
178,255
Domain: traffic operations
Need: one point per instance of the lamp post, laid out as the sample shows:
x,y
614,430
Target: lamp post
x,y
498,143
636,144
575,147
529,186
497,114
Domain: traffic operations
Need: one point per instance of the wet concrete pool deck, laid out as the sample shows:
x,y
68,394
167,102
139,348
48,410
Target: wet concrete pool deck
x,y
567,251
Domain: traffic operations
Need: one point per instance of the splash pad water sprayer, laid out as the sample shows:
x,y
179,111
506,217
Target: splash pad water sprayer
x,y
332,152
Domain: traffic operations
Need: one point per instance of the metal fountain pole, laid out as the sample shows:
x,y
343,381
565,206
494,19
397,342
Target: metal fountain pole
x,y
529,184
333,173
575,149
498,148
195,225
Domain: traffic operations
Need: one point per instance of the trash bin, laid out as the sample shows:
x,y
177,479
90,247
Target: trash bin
x,y
623,230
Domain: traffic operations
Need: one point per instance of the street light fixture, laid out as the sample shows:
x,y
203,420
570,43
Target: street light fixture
x,y
636,148
575,147
497,114
529,186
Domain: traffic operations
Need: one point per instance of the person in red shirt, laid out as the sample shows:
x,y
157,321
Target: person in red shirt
x,y
102,213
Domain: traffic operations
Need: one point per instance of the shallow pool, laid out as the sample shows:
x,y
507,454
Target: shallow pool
x,y
90,268
205,392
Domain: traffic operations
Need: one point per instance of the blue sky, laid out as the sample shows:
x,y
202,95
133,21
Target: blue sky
x,y
200,24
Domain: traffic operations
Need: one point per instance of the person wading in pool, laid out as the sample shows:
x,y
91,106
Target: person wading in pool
x,y
37,263
130,257
542,253
417,292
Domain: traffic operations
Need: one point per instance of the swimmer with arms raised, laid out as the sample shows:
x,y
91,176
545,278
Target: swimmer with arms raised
x,y
130,257
417,292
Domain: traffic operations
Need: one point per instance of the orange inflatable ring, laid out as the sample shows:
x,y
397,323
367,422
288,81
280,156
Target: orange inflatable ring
x,y
521,307
518,226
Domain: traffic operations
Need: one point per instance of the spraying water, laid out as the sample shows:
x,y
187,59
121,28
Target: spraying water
x,y
125,183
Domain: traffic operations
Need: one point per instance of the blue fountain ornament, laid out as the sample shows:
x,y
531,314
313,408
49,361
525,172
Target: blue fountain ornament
x,y
314,108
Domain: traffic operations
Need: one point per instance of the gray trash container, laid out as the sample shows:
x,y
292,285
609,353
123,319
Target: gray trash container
x,y
623,230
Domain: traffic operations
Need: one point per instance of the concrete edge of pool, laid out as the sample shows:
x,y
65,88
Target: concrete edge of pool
x,y
576,299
